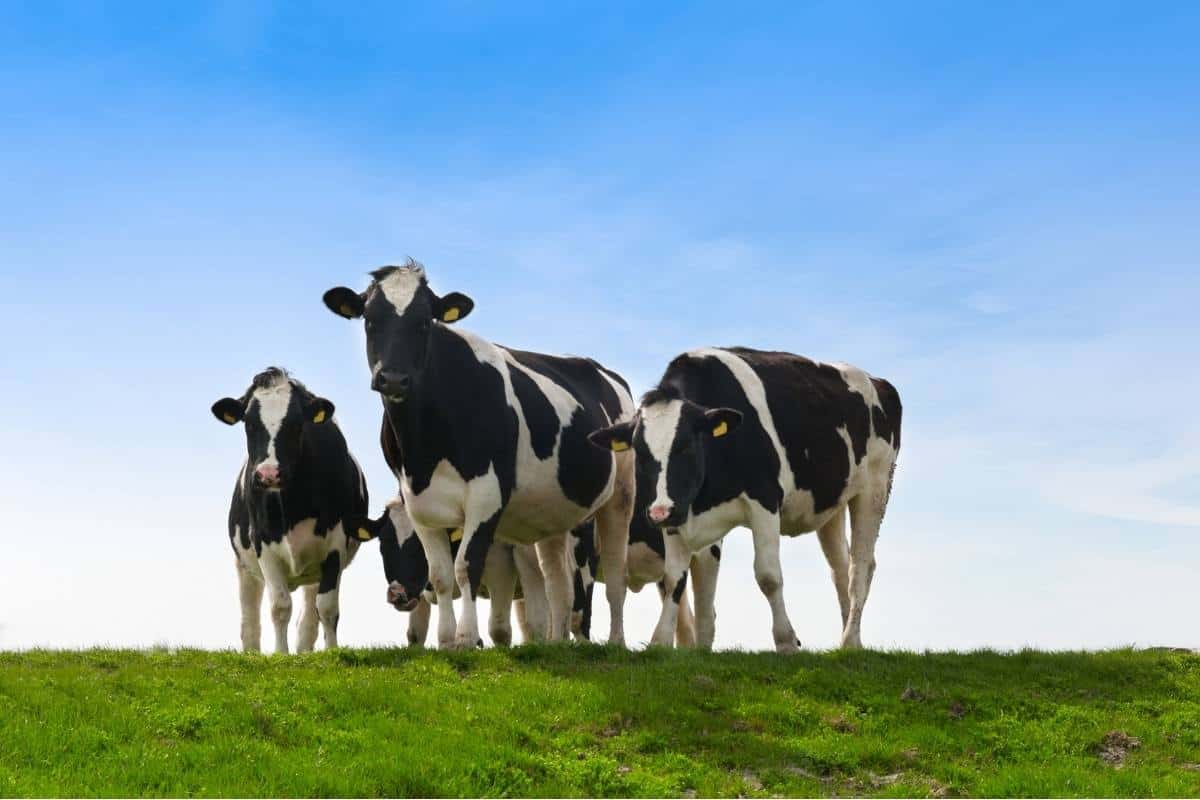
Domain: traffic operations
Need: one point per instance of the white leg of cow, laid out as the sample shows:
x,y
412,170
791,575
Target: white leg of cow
x,y
522,620
769,574
500,577
612,542
866,513
552,556
250,592
705,566
306,636
533,586
674,583
837,553
281,598
418,623
478,535
441,575
685,623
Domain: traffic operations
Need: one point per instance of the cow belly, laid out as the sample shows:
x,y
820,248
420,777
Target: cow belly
x,y
300,554
440,504
643,565
798,516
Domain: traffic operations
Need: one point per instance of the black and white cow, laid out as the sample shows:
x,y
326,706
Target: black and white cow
x,y
510,574
492,441
775,442
297,495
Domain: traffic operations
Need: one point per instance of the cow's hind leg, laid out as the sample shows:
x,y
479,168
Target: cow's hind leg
x,y
533,608
250,592
499,574
832,536
866,514
552,555
612,541
328,605
310,621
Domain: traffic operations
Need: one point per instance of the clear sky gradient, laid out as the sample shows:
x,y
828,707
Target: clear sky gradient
x,y
994,206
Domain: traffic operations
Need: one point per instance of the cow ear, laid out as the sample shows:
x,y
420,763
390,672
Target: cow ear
x,y
345,302
452,307
318,410
721,421
228,410
366,529
616,438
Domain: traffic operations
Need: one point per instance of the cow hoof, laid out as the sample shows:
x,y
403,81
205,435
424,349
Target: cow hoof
x,y
788,648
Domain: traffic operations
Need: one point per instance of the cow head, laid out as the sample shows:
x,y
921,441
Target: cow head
x,y
404,562
671,438
276,412
400,313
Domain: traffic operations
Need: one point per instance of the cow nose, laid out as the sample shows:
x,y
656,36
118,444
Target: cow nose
x,y
659,513
392,384
268,474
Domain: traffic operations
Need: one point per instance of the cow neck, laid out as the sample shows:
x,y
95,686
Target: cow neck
x,y
415,422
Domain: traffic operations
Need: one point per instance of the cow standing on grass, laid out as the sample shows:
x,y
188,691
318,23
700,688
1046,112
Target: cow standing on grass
x,y
510,574
297,495
774,442
492,441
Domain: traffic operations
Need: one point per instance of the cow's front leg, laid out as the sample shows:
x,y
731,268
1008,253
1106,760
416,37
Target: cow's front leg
x,y
706,564
436,543
418,623
769,573
674,583
552,555
328,605
250,592
310,621
468,571
275,576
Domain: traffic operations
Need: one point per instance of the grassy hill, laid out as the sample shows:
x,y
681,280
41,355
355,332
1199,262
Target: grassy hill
x,y
575,720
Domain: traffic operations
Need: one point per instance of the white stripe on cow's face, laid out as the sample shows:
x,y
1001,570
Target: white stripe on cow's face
x,y
273,406
400,287
660,425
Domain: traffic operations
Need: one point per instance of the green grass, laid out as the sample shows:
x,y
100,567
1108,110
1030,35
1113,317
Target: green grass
x,y
576,720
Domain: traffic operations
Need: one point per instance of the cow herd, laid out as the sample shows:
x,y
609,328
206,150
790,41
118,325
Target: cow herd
x,y
528,478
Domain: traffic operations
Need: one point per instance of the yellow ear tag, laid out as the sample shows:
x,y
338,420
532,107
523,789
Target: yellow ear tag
x,y
319,417
346,311
450,314
721,429
618,446
456,535
364,534
230,418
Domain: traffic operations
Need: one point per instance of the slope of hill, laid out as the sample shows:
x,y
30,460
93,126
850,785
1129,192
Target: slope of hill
x,y
574,720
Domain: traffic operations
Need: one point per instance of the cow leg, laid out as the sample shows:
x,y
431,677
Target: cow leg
x,y
418,623
612,541
328,606
705,566
552,555
769,574
468,571
866,513
306,637
281,598
833,543
250,592
441,576
500,576
534,610
685,623
673,584
585,614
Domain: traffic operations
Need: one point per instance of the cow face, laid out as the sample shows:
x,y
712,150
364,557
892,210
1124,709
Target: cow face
x,y
276,412
671,438
401,313
404,562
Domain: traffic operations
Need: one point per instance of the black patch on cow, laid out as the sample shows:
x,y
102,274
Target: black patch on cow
x,y
477,550
640,529
886,416
538,412
239,520
680,585
586,556
331,568
581,475
716,551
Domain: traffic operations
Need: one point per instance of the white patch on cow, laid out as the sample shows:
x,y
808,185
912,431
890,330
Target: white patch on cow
x,y
401,286
660,425
273,402
859,382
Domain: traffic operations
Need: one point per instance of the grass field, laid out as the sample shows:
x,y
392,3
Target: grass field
x,y
576,720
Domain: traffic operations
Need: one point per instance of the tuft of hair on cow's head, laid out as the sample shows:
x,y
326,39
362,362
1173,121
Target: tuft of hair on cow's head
x,y
400,313
276,411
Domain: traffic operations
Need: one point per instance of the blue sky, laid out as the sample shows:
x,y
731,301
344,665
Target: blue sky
x,y
994,206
